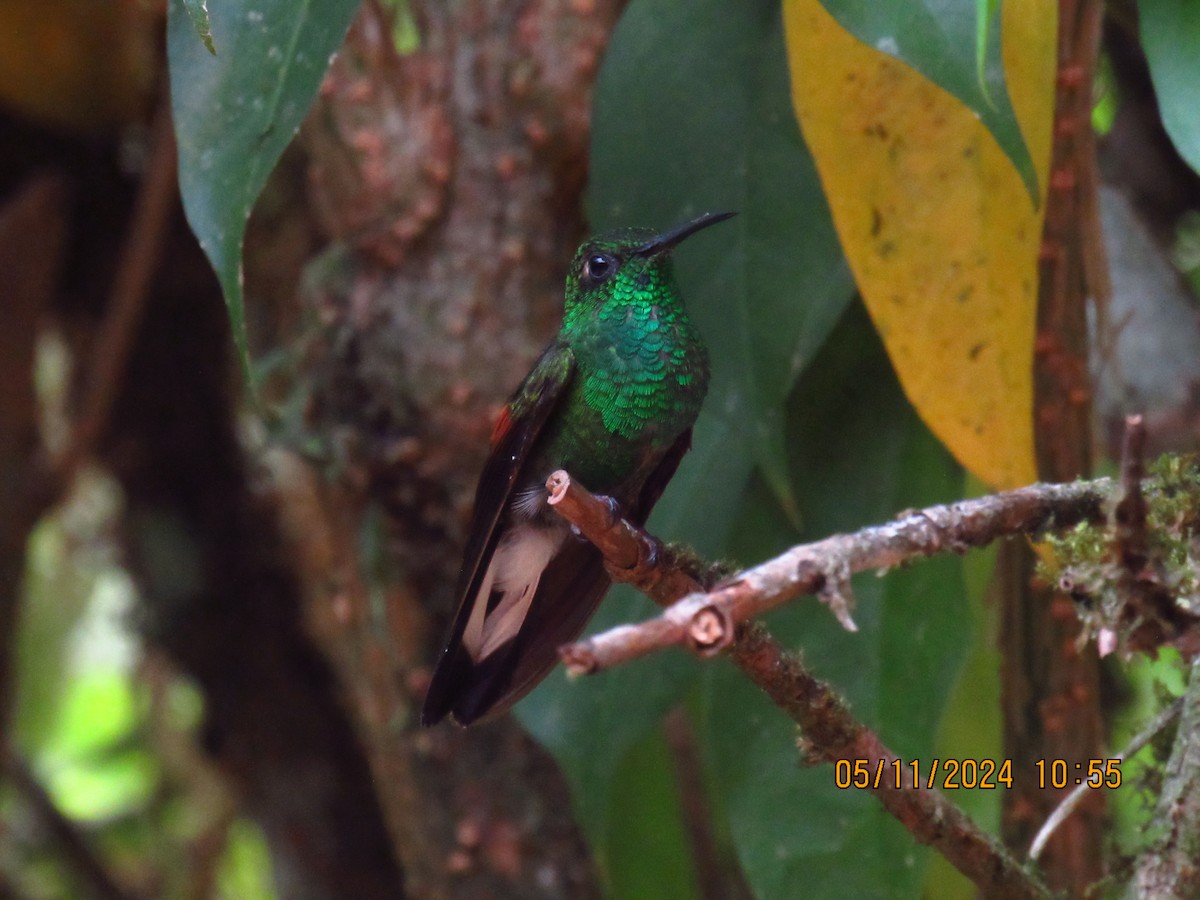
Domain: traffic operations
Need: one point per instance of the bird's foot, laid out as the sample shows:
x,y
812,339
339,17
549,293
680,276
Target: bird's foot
x,y
615,514
647,568
651,554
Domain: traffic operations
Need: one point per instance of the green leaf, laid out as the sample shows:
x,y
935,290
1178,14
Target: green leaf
x,y
90,768
648,856
591,724
237,111
765,289
73,606
708,126
985,18
860,455
197,11
406,36
1170,32
971,727
245,866
939,38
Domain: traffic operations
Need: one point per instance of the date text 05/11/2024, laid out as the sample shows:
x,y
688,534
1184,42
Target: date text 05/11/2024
x,y
970,774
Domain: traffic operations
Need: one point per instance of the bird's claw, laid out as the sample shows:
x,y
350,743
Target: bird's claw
x,y
650,552
615,513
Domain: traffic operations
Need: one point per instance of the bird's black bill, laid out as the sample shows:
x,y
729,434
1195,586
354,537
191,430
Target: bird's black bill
x,y
669,239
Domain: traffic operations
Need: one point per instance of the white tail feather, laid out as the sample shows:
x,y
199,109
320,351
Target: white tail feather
x,y
515,570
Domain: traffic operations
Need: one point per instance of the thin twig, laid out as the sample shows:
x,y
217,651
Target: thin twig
x,y
1149,610
139,260
706,622
1073,799
717,878
830,732
1131,546
633,557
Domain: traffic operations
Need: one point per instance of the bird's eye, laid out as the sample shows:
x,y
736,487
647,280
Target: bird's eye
x,y
599,267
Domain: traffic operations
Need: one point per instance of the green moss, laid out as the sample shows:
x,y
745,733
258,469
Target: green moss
x,y
1083,563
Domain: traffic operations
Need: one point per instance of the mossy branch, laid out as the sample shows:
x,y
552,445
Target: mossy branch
x,y
830,731
1123,548
706,620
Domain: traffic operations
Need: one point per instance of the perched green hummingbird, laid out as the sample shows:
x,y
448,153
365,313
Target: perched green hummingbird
x,y
612,400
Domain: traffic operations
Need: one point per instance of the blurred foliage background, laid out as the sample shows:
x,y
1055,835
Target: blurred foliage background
x,y
236,497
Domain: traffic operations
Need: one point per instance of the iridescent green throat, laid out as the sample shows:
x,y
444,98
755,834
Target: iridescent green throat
x,y
642,370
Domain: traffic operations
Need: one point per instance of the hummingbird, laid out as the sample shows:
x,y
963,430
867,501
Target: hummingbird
x,y
611,400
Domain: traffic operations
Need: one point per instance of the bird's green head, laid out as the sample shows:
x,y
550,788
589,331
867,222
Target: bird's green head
x,y
626,266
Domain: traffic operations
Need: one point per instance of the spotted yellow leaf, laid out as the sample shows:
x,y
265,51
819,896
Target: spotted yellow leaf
x,y
940,231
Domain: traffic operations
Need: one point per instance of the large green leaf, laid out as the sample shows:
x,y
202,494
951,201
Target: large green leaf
x,y
971,727
628,801
956,45
591,724
1171,37
860,455
707,125
649,857
710,126
236,110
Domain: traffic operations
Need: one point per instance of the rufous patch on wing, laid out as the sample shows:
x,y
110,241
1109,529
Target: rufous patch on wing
x,y
502,426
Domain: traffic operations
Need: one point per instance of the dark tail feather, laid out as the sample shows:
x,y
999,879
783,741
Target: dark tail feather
x,y
453,669
467,689
569,592
486,687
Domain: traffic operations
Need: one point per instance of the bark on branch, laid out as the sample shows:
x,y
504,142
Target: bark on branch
x,y
706,621
830,732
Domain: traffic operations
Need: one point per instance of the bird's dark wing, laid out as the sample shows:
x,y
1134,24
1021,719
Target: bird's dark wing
x,y
517,430
570,590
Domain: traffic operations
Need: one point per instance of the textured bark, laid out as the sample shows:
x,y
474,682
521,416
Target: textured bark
x,y
448,181
1051,686
216,594
830,732
448,184
221,598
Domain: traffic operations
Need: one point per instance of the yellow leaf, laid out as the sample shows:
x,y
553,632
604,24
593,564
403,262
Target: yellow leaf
x,y
937,225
